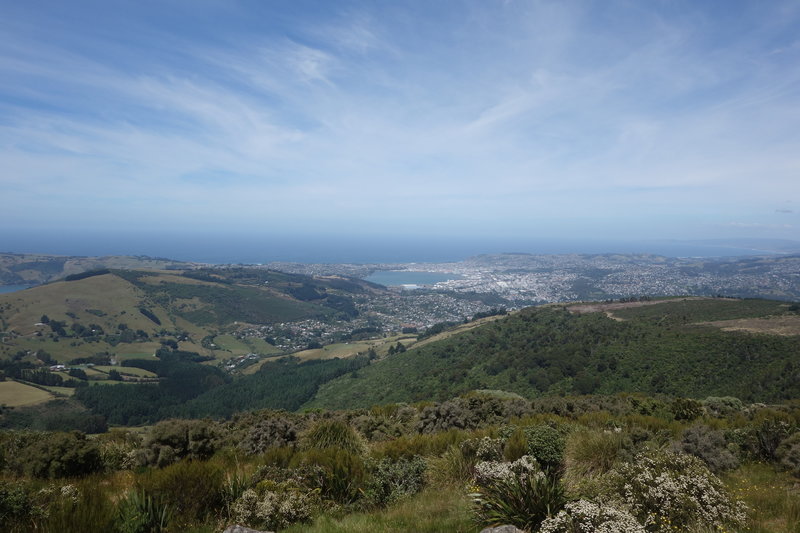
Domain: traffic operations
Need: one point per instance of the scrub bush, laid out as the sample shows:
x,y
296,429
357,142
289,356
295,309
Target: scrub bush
x,y
273,432
708,445
390,481
666,490
588,517
194,489
788,454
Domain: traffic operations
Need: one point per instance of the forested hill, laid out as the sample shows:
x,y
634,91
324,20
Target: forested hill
x,y
692,348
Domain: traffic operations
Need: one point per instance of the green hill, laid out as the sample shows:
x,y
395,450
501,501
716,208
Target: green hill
x,y
131,313
665,347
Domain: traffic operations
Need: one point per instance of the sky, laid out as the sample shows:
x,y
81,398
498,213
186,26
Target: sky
x,y
479,119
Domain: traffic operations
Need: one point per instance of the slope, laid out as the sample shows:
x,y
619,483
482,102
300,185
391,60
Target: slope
x,y
658,349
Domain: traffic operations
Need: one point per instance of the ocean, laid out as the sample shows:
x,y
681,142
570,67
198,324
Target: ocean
x,y
255,250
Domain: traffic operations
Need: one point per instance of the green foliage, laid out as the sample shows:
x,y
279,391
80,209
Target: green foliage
x,y
271,432
544,442
60,455
389,481
81,509
20,506
333,434
452,467
522,501
140,512
516,445
723,406
192,489
287,383
593,452
546,350
341,472
172,440
686,409
772,430
446,415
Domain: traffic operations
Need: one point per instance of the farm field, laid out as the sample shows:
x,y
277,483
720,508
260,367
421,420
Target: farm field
x,y
15,394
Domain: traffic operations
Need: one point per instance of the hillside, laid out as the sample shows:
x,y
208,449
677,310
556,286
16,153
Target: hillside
x,y
35,269
129,313
676,348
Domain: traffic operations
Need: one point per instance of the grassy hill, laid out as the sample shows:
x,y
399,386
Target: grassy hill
x,y
34,269
668,347
127,313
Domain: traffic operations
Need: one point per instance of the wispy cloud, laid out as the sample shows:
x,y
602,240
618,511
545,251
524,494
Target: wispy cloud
x,y
507,115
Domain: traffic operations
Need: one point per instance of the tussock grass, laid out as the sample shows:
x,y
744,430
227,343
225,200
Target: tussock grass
x,y
773,497
431,511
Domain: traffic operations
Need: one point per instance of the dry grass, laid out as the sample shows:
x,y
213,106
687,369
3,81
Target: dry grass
x,y
776,325
609,308
16,394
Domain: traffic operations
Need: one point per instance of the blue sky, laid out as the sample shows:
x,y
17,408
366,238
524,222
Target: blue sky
x,y
563,119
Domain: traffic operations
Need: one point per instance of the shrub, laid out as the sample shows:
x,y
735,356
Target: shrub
x,y
333,434
523,501
484,449
452,414
666,490
390,481
61,455
708,445
140,512
723,406
487,472
686,409
788,453
118,450
341,473
20,506
769,434
192,488
172,440
587,517
546,444
376,427
273,509
274,432
80,510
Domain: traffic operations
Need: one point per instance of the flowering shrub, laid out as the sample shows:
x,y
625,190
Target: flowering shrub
x,y
487,472
273,509
588,517
670,491
485,449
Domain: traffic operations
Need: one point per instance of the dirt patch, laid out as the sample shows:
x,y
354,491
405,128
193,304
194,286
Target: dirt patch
x,y
609,308
778,325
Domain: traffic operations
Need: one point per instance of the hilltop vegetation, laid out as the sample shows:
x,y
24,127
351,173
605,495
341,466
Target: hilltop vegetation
x,y
624,463
657,349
